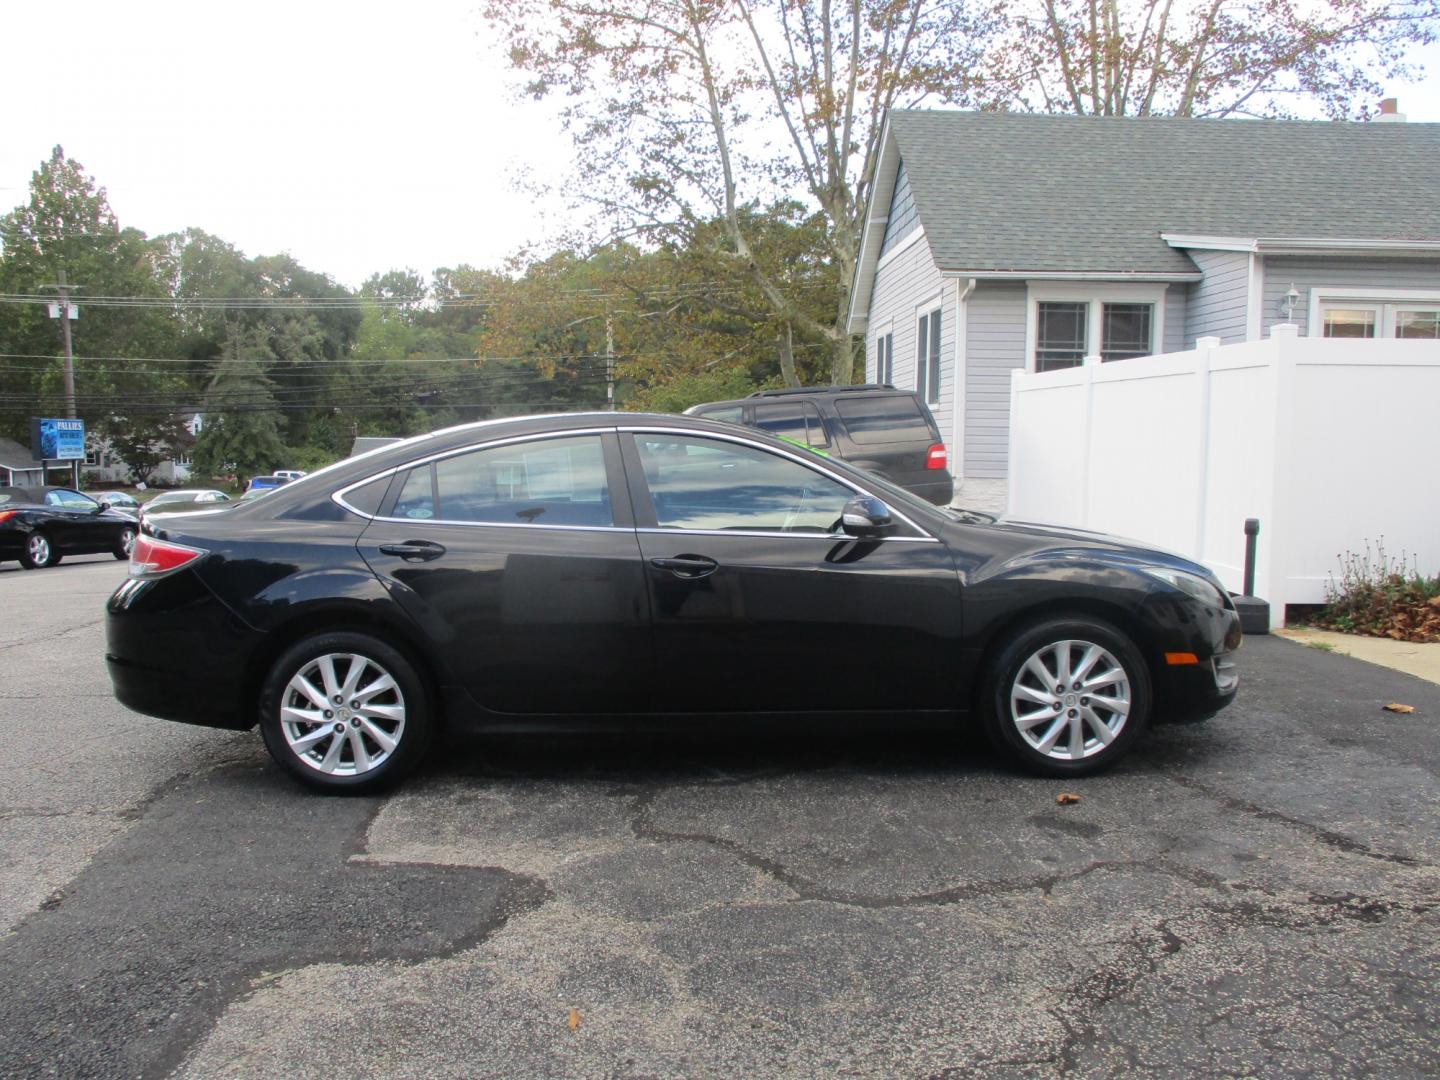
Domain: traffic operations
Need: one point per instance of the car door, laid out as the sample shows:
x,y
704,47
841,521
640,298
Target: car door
x,y
519,562
761,603
75,524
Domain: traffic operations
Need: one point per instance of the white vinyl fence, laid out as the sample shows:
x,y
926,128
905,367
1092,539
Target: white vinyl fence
x,y
1329,443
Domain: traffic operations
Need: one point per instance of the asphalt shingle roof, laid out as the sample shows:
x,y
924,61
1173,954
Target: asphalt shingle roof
x,y
1021,192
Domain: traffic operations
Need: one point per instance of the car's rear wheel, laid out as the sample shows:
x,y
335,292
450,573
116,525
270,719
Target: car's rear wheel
x,y
38,552
1067,696
124,543
345,712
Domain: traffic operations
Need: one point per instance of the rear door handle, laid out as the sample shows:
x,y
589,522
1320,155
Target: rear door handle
x,y
414,550
687,566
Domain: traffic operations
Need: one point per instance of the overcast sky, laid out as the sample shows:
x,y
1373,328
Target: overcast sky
x,y
358,136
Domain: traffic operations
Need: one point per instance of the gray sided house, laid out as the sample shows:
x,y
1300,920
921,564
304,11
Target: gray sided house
x,y
1003,241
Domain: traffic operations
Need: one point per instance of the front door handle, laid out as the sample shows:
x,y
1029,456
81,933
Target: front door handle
x,y
414,550
687,566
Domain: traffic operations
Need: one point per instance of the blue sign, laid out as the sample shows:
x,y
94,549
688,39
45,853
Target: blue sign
x,y
57,440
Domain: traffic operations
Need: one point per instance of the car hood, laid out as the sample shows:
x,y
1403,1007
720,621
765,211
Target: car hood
x,y
1024,540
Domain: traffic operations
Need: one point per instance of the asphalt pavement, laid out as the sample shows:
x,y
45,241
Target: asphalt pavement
x,y
1257,895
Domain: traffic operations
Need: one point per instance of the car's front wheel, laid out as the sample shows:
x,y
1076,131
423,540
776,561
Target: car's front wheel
x,y
1067,696
38,552
345,712
124,543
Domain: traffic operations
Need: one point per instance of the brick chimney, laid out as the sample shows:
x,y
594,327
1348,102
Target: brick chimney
x,y
1390,112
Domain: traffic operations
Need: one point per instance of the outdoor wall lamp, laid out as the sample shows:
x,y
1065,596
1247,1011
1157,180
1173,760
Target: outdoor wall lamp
x,y
1289,302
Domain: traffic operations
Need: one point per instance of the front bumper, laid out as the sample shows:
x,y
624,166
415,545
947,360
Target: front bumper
x,y
1212,635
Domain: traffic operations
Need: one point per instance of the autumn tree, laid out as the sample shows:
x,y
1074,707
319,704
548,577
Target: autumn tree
x,y
685,113
1204,58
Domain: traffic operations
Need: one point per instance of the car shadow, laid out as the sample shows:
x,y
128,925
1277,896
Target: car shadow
x,y
709,756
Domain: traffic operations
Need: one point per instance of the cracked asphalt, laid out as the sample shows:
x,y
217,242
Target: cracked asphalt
x,y
1258,895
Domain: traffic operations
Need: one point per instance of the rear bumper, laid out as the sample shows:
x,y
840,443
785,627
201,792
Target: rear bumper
x,y
189,669
935,486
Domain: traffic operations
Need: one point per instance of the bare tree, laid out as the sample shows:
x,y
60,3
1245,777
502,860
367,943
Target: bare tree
x,y
1205,58
684,112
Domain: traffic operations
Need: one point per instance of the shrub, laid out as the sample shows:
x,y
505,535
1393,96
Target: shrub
x,y
1382,596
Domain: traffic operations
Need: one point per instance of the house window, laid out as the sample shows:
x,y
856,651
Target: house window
x,y
1353,318
1125,331
1418,324
1113,322
885,359
927,357
1060,334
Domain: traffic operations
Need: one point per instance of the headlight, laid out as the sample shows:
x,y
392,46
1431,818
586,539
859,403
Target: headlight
x,y
1200,588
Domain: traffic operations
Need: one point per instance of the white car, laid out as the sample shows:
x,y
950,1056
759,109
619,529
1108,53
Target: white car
x,y
289,474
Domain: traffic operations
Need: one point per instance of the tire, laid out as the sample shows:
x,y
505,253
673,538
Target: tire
x,y
1089,731
38,552
124,542
340,750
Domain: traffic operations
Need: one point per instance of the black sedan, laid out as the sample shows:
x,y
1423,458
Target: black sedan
x,y
40,525
572,571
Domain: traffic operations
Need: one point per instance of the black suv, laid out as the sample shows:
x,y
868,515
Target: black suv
x,y
890,432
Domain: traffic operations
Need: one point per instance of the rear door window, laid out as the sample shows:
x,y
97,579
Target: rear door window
x,y
883,418
543,482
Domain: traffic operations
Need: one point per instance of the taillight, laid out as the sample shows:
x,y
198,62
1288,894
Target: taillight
x,y
151,557
935,457
6,515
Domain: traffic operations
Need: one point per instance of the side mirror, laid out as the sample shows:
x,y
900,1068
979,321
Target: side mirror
x,y
866,517
105,505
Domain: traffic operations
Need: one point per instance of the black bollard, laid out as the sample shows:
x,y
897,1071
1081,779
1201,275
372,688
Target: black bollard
x,y
1254,612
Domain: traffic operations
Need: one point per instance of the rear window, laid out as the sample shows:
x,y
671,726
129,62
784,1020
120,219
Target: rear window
x,y
884,418
798,421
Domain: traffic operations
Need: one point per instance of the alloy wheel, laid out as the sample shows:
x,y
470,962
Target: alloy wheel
x,y
342,714
1070,699
38,547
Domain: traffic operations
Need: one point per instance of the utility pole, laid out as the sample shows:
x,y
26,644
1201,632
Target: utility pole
x,y
609,362
62,312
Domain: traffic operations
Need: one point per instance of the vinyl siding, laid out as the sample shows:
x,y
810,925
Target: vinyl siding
x,y
908,280
904,219
1305,273
1176,302
1218,304
994,347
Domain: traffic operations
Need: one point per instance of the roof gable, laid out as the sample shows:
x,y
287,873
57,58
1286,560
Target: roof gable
x,y
1022,193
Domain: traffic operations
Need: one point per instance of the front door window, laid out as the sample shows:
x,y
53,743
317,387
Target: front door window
x,y
719,486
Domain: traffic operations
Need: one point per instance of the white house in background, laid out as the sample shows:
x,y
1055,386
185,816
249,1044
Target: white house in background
x,y
997,242
17,467
105,466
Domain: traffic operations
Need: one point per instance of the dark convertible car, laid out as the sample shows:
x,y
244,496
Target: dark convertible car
x,y
38,526
569,571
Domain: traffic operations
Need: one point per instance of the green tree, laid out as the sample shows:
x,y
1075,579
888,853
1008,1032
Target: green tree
x,y
67,225
242,422
144,440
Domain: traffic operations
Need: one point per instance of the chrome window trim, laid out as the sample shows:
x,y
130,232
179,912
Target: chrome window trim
x,y
805,462
779,534
338,497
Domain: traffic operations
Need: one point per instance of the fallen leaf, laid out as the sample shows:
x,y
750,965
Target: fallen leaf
x,y
1395,707
1065,798
574,1021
